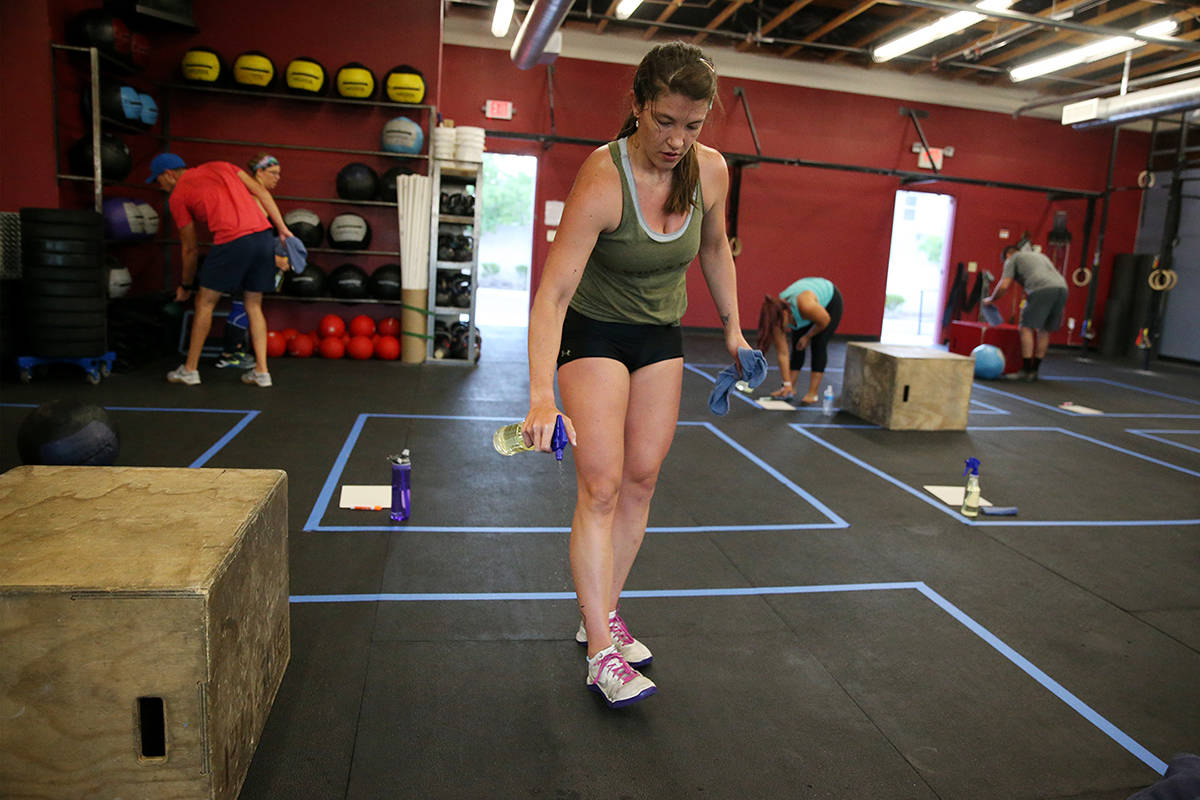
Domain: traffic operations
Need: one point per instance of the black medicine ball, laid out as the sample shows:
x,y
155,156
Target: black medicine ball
x,y
115,159
306,225
118,103
357,181
305,76
101,30
68,433
310,283
387,183
348,282
384,283
349,232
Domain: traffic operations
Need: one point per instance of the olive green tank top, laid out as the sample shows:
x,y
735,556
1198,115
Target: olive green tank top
x,y
634,274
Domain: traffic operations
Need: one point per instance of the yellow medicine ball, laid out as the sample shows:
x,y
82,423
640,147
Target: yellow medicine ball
x,y
355,81
305,75
254,70
201,65
404,84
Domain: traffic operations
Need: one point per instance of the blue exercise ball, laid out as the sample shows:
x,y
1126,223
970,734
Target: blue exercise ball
x,y
989,361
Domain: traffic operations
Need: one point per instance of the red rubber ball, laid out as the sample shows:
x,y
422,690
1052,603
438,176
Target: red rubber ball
x,y
360,347
276,344
332,347
362,325
301,346
388,326
387,348
289,333
331,325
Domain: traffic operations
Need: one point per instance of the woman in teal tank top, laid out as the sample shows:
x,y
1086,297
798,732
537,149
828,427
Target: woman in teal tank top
x,y
607,312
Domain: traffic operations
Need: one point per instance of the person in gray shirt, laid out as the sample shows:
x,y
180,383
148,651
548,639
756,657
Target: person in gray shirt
x,y
1045,300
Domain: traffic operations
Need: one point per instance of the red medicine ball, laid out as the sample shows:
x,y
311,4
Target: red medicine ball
x,y
360,347
332,347
387,348
362,325
388,326
332,325
276,344
301,346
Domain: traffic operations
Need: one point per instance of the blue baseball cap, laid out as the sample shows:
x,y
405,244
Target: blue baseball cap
x,y
163,162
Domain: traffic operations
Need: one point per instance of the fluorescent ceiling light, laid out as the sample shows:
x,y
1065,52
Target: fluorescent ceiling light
x,y
1091,52
502,18
937,30
625,8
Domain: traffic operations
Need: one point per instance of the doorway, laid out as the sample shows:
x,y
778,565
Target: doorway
x,y
921,230
505,240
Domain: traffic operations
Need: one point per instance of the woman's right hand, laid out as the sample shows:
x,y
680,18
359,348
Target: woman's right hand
x,y
538,427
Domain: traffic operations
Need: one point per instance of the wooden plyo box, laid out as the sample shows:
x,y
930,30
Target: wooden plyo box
x,y
144,628
900,387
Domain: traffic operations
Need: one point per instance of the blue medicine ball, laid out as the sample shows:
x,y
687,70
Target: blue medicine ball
x,y
989,361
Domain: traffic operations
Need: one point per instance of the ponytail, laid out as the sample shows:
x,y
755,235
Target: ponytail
x,y
770,318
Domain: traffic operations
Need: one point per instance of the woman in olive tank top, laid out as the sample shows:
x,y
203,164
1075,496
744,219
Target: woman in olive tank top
x,y
607,313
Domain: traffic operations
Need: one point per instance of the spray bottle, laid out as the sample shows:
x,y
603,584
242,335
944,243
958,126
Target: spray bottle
x,y
509,440
970,506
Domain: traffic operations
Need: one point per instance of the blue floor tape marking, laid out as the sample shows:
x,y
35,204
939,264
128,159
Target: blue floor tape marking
x,y
1025,665
1076,415
1007,521
331,482
1128,386
248,415
1148,434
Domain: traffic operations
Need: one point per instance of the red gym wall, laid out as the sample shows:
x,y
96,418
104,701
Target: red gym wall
x,y
792,221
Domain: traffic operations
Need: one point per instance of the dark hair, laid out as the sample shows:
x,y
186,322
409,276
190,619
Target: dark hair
x,y
678,68
770,318
1012,248
252,166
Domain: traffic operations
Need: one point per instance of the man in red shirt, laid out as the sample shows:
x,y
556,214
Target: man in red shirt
x,y
221,197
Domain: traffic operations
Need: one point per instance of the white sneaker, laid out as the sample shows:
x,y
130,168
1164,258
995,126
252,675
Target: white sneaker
x,y
256,378
617,682
182,374
634,652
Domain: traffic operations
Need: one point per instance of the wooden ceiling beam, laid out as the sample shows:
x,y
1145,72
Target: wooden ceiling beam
x,y
883,30
836,22
719,19
776,21
612,9
671,8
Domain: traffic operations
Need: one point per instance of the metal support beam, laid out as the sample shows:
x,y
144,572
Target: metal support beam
x,y
916,114
741,93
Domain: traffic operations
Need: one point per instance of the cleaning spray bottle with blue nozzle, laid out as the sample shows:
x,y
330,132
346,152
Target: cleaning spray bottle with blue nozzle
x,y
509,440
970,506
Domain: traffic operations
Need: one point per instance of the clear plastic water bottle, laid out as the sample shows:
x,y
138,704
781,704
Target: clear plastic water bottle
x,y
970,506
509,440
827,401
401,488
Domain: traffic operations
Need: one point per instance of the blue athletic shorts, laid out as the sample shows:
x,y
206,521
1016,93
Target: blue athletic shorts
x,y
245,264
633,345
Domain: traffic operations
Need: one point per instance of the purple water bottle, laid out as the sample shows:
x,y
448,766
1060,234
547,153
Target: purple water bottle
x,y
401,491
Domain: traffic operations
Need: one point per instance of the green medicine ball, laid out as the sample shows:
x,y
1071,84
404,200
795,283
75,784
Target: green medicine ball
x,y
404,84
202,65
305,76
253,70
355,82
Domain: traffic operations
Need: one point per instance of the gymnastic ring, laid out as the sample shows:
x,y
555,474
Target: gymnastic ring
x,y
1173,276
735,246
1084,280
1159,280
1145,179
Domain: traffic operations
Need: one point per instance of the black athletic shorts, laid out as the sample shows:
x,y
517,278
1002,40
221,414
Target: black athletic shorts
x,y
633,345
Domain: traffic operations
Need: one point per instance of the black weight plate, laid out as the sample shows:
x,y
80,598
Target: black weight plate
x,y
83,233
46,320
62,260
91,334
36,304
44,288
43,273
63,216
38,247
91,349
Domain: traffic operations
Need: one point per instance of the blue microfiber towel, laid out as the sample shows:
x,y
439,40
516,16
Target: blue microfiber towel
x,y
296,252
754,371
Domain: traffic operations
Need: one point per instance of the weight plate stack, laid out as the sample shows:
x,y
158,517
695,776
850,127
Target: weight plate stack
x,y
65,282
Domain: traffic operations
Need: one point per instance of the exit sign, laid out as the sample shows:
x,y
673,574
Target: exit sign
x,y
498,109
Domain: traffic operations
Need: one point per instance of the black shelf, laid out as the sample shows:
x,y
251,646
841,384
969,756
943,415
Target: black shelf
x,y
302,98
305,147
147,187
310,249
336,200
342,300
